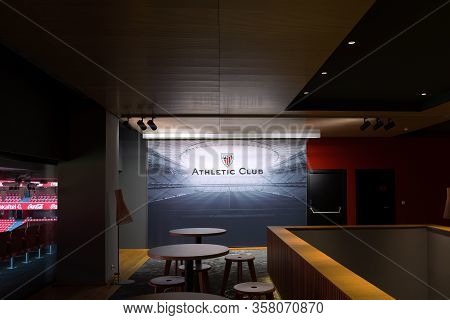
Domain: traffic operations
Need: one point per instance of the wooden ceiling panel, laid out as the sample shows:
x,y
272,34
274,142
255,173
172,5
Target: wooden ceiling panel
x,y
139,56
279,45
166,53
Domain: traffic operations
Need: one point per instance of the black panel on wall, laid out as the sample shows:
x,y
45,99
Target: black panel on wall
x,y
327,197
375,196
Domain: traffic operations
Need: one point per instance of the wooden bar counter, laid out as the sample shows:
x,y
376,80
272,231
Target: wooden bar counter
x,y
301,271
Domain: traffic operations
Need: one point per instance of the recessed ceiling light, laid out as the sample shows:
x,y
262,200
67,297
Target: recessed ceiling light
x,y
351,42
306,92
324,73
423,94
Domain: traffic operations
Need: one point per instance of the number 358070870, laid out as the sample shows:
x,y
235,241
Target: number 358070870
x,y
287,307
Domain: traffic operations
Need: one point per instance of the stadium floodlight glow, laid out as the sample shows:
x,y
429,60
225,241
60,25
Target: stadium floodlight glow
x,y
152,124
365,125
142,125
310,134
389,125
378,124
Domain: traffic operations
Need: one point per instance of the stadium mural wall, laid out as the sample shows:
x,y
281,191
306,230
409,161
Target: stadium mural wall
x,y
239,185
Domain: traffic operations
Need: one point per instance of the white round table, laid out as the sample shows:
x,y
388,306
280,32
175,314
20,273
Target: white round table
x,y
198,233
188,253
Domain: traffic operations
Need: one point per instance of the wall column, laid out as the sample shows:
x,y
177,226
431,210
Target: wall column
x,y
86,229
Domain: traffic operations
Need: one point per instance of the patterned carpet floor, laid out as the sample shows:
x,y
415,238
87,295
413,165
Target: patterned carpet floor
x,y
154,268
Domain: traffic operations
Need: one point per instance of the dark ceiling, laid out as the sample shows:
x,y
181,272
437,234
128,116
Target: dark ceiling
x,y
181,57
14,167
437,130
234,63
401,50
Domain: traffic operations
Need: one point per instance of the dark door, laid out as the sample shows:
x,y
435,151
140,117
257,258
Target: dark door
x,y
375,196
327,195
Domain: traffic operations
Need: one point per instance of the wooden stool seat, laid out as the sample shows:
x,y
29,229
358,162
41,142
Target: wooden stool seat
x,y
254,290
239,258
202,276
160,284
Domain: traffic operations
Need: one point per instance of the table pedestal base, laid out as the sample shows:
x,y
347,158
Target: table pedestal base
x,y
189,275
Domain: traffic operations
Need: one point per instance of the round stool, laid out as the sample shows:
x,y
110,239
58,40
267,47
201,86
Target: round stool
x,y
254,290
160,284
239,258
202,276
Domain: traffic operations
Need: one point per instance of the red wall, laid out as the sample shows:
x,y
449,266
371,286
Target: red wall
x,y
422,170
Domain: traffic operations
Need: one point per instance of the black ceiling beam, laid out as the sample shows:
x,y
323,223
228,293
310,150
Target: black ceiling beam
x,y
400,52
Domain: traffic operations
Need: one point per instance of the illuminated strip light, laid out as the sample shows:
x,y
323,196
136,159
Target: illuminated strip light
x,y
311,134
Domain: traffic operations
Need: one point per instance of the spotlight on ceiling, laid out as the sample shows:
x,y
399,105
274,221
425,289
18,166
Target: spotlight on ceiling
x,y
324,73
126,124
365,124
306,92
351,42
152,124
142,125
423,93
378,124
389,125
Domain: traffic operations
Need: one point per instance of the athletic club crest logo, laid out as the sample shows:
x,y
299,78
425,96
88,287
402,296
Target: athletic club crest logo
x,y
227,159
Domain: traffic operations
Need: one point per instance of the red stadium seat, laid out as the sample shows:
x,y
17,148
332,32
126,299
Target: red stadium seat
x,y
5,224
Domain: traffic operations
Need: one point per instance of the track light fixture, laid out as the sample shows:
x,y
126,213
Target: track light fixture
x,y
365,124
126,124
142,125
389,125
152,124
378,124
